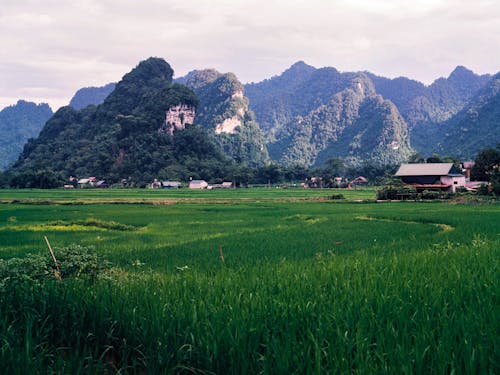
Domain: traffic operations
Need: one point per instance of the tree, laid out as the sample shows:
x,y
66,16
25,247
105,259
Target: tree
x,y
486,165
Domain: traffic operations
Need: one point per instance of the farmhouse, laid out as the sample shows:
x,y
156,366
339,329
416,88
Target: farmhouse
x,y
171,184
431,176
360,180
198,184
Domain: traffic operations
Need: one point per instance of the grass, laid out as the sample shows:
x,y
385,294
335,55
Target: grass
x,y
307,286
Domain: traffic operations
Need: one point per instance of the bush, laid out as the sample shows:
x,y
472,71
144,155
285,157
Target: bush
x,y
73,261
393,192
337,196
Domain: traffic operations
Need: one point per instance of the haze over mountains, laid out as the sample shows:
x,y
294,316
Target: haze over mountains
x,y
303,117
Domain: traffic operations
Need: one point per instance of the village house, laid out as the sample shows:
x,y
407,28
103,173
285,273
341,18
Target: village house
x,y
360,180
431,176
198,184
171,184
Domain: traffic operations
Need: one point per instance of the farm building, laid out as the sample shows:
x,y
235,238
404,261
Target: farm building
x,y
360,180
431,176
198,184
171,184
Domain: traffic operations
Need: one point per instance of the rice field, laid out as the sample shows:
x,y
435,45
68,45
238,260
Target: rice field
x,y
307,284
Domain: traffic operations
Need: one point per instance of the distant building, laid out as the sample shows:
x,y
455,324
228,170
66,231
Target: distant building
x,y
171,184
431,176
360,180
198,184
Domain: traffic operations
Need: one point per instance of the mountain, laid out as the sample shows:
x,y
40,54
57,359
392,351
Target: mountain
x,y
425,108
297,91
91,96
18,123
355,124
303,90
141,131
476,126
223,111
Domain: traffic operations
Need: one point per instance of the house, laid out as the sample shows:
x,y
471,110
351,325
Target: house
x,y
224,185
101,184
171,184
431,176
360,180
198,184
155,184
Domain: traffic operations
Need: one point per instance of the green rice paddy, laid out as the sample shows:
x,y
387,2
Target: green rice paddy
x,y
308,284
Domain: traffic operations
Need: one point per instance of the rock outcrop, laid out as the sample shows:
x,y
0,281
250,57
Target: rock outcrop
x,y
177,117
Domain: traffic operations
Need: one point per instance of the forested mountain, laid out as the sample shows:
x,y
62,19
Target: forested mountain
x,y
436,103
303,89
133,134
356,124
223,111
476,126
91,96
18,123
297,91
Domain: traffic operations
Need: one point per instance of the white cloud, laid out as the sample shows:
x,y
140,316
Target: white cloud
x,y
51,48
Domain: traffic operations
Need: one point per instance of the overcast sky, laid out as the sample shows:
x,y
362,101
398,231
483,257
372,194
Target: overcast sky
x,y
51,48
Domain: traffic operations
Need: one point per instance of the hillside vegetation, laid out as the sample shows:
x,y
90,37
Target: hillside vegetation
x,y
122,138
18,123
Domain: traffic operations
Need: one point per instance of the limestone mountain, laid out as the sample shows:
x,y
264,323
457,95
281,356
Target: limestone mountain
x,y
476,126
297,91
127,136
355,124
223,111
91,96
18,123
426,107
302,89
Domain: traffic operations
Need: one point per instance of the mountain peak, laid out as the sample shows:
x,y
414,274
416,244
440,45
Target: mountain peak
x,y
149,71
300,66
460,73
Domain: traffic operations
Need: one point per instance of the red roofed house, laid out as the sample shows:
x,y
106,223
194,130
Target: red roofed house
x,y
431,176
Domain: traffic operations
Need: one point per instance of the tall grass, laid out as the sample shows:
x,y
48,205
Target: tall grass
x,y
431,311
306,287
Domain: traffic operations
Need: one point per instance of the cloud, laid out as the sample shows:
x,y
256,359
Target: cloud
x,y
61,46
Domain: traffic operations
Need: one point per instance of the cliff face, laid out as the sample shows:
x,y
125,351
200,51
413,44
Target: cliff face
x,y
177,117
223,110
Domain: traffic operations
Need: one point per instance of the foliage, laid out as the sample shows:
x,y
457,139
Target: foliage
x,y
121,139
486,164
72,261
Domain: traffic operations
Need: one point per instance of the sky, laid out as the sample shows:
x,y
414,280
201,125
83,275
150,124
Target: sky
x,y
51,48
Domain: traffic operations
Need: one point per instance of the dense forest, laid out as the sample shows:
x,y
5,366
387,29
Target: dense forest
x,y
18,123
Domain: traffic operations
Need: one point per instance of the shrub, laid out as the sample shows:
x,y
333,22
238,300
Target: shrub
x,y
73,261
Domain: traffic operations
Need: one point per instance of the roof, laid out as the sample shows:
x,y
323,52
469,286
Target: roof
x,y
427,169
171,183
